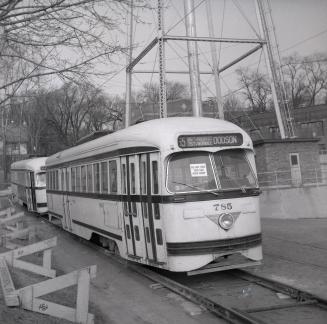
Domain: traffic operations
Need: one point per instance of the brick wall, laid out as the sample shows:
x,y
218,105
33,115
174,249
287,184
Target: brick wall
x,y
275,156
273,161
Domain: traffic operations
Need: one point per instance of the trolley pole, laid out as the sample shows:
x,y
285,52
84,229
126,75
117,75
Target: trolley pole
x,y
129,71
270,64
193,60
162,66
215,63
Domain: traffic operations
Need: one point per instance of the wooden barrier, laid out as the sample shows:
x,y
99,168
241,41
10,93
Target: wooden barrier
x,y
7,212
12,257
30,301
12,227
28,297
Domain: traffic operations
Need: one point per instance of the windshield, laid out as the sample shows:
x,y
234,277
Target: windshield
x,y
40,179
201,171
234,170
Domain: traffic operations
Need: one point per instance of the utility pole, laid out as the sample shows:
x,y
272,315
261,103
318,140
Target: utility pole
x,y
129,72
162,63
215,66
270,64
193,59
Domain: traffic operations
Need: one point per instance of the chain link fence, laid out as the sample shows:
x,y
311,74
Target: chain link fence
x,y
295,178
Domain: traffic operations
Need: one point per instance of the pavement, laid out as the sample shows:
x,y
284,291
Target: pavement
x,y
294,252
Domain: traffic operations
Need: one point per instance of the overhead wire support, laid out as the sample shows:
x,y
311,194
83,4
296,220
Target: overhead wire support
x,y
270,65
215,62
216,39
129,71
162,67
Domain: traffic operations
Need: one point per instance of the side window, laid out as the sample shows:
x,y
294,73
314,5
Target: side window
x,y
155,183
89,178
62,179
83,178
96,173
159,236
132,176
143,177
123,180
48,180
57,179
104,177
73,177
78,179
156,211
67,180
113,176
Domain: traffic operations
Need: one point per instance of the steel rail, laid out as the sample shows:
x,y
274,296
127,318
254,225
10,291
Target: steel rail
x,y
302,297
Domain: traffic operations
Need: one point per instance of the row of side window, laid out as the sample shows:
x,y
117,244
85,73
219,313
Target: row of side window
x,y
100,177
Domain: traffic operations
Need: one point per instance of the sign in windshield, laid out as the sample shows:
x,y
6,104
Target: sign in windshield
x,y
193,141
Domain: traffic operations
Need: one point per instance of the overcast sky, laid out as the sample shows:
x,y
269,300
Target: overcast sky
x,y
301,26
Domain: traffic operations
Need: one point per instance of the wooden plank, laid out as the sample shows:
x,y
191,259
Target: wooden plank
x,y
17,234
47,259
34,268
12,219
61,282
7,212
35,247
28,249
12,246
8,288
82,300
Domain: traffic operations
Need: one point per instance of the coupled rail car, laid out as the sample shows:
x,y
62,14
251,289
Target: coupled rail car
x,y
176,193
28,184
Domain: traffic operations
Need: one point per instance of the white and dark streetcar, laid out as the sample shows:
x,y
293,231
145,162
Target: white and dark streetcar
x,y
175,193
28,184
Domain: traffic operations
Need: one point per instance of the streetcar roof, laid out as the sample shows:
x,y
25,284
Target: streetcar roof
x,y
152,135
34,164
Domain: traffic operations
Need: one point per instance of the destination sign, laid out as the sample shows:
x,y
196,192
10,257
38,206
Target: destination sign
x,y
193,141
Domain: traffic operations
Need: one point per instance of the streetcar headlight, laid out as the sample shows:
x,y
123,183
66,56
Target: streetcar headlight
x,y
226,221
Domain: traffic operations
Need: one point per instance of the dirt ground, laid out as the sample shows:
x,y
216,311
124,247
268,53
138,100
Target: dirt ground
x,y
294,252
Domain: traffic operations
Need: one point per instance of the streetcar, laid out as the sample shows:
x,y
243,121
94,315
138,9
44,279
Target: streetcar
x,y
178,193
28,184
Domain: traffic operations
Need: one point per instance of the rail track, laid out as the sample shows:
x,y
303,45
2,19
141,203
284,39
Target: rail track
x,y
237,296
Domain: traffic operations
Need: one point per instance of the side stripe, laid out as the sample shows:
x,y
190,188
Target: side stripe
x,y
99,230
164,199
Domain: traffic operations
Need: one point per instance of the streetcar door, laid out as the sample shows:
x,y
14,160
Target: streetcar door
x,y
30,187
33,194
132,207
65,176
151,211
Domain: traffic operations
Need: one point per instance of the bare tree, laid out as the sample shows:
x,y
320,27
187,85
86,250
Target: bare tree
x,y
315,67
256,89
68,38
232,102
295,80
151,92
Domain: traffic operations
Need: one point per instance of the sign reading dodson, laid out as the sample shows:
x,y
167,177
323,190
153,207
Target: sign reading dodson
x,y
193,141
